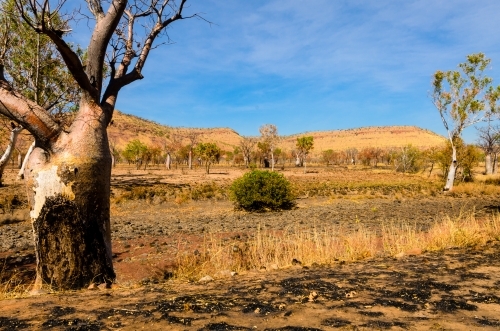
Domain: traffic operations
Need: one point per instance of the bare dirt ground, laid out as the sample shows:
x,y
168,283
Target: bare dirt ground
x,y
456,289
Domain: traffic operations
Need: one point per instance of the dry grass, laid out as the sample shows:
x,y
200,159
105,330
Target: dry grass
x,y
179,194
272,250
476,188
12,285
280,249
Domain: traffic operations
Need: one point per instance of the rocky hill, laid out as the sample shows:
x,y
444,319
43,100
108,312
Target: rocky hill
x,y
125,128
381,136
128,127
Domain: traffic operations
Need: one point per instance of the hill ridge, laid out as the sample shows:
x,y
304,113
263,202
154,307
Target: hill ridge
x,y
127,127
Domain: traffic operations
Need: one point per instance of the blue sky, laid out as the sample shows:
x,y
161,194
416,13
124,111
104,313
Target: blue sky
x,y
311,65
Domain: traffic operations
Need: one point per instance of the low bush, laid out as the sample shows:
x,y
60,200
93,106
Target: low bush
x,y
260,190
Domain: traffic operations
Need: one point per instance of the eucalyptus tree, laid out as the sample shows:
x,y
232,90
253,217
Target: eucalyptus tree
x,y
34,69
209,153
461,97
68,172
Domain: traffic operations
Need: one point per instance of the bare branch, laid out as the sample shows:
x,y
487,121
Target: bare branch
x,y
31,116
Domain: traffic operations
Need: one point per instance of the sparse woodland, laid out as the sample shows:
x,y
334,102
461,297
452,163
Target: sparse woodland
x,y
92,199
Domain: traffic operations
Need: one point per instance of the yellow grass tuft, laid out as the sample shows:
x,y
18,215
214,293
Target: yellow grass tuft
x,y
280,249
476,188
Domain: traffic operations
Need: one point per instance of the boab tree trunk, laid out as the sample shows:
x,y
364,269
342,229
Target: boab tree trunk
x,y
70,187
68,172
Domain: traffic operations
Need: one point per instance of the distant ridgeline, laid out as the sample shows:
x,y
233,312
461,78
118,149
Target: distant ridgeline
x,y
125,128
128,127
384,137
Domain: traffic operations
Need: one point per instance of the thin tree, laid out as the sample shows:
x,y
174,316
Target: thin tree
x,y
4,160
488,141
247,145
68,173
460,99
193,138
269,136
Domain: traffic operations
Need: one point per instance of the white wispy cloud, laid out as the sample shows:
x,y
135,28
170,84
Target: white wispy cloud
x,y
373,57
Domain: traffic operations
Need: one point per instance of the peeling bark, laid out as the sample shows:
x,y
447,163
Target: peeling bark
x,y
69,190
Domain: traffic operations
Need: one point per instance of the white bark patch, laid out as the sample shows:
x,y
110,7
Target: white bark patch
x,y
49,185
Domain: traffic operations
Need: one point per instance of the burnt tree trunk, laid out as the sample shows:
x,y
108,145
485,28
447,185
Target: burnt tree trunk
x,y
70,185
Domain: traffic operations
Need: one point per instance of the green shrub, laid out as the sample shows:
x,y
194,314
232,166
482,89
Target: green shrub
x,y
258,190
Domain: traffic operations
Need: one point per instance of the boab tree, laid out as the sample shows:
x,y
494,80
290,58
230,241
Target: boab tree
x,y
461,98
68,172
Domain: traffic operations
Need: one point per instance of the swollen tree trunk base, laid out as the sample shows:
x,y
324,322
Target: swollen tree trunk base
x,y
71,253
68,191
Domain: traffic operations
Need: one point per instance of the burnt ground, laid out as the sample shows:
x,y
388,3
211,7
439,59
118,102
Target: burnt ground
x,y
453,290
456,289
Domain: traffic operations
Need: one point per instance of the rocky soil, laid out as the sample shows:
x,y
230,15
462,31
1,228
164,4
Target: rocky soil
x,y
453,290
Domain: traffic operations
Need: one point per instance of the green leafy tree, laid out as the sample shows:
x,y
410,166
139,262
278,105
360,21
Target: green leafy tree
x,y
136,152
209,153
304,146
461,97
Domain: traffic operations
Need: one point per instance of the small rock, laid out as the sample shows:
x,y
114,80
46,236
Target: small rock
x,y
312,296
273,266
257,311
351,294
205,279
233,273
399,255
